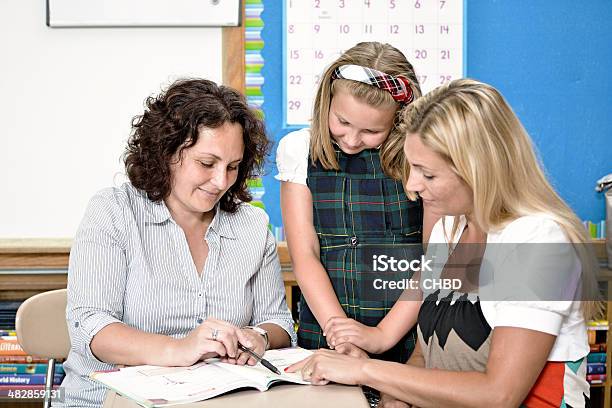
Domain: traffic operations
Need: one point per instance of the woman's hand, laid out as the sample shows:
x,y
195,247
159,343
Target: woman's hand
x,y
327,365
387,401
340,330
213,338
258,346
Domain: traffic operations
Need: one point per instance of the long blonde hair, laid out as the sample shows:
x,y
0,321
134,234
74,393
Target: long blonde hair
x,y
382,57
470,125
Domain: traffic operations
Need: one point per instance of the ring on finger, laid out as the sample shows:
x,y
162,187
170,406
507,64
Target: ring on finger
x,y
215,333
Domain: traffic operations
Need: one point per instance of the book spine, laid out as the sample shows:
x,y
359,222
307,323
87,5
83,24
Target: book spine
x,y
21,360
27,379
596,378
596,368
596,358
28,369
598,347
9,346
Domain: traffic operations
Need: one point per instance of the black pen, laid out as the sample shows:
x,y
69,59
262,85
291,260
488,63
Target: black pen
x,y
259,358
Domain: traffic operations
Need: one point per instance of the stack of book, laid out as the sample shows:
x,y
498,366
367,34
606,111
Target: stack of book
x,y
596,360
19,371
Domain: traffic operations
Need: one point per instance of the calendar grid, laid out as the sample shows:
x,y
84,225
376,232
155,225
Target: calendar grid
x,y
429,32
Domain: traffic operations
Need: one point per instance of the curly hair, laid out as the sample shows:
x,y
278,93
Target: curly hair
x,y
170,124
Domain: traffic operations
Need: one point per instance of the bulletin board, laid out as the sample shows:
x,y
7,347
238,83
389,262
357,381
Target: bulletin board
x,y
296,39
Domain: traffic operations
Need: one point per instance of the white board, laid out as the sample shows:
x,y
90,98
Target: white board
x,y
142,13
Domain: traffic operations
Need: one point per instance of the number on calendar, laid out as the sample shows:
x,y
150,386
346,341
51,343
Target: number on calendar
x,y
420,54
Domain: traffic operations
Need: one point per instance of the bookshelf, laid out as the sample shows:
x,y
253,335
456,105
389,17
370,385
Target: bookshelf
x,y
31,266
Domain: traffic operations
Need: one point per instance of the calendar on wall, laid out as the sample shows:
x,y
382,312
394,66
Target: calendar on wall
x,y
429,32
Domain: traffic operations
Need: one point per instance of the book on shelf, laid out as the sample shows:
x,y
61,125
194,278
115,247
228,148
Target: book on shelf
x,y
9,346
596,358
37,368
22,360
597,325
598,347
596,378
153,386
596,368
28,379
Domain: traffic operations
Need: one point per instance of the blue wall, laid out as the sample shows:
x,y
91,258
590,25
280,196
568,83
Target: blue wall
x,y
552,60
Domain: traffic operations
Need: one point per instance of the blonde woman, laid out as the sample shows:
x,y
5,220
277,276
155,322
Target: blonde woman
x,y
470,158
341,194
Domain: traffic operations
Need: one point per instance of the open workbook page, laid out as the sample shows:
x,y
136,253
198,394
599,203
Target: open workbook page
x,y
154,386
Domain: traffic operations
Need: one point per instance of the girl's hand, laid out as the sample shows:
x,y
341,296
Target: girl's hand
x,y
327,365
212,338
387,401
351,350
340,330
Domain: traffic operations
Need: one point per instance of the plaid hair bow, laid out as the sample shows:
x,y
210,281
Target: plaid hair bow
x,y
397,86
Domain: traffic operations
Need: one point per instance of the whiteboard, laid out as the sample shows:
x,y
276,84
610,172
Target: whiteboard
x,y
142,13
429,32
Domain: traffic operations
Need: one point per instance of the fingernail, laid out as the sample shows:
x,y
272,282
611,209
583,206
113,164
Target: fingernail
x,y
286,368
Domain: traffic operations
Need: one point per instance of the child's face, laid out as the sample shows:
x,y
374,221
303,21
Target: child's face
x,y
357,126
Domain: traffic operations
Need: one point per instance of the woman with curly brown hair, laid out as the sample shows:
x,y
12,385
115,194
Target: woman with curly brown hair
x,y
174,266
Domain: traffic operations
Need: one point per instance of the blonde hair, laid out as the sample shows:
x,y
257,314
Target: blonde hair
x,y
471,126
382,57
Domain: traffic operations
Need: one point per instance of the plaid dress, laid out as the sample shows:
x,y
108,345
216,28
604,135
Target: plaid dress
x,y
359,212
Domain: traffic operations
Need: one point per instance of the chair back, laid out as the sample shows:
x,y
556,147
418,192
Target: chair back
x,y
41,325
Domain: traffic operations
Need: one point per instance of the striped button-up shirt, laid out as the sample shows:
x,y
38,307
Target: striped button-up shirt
x,y
130,263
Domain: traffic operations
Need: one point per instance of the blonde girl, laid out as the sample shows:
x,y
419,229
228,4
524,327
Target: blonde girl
x,y
342,199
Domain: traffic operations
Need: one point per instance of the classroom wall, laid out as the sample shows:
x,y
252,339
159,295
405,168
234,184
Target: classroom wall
x,y
551,60
67,100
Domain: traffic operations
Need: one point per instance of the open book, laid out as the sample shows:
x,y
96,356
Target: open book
x,y
153,386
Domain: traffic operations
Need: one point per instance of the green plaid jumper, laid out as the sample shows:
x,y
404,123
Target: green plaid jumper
x,y
358,211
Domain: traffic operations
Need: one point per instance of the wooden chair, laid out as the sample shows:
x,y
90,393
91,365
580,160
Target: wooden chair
x,y
42,331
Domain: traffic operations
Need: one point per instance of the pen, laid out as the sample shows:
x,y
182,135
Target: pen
x,y
259,358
